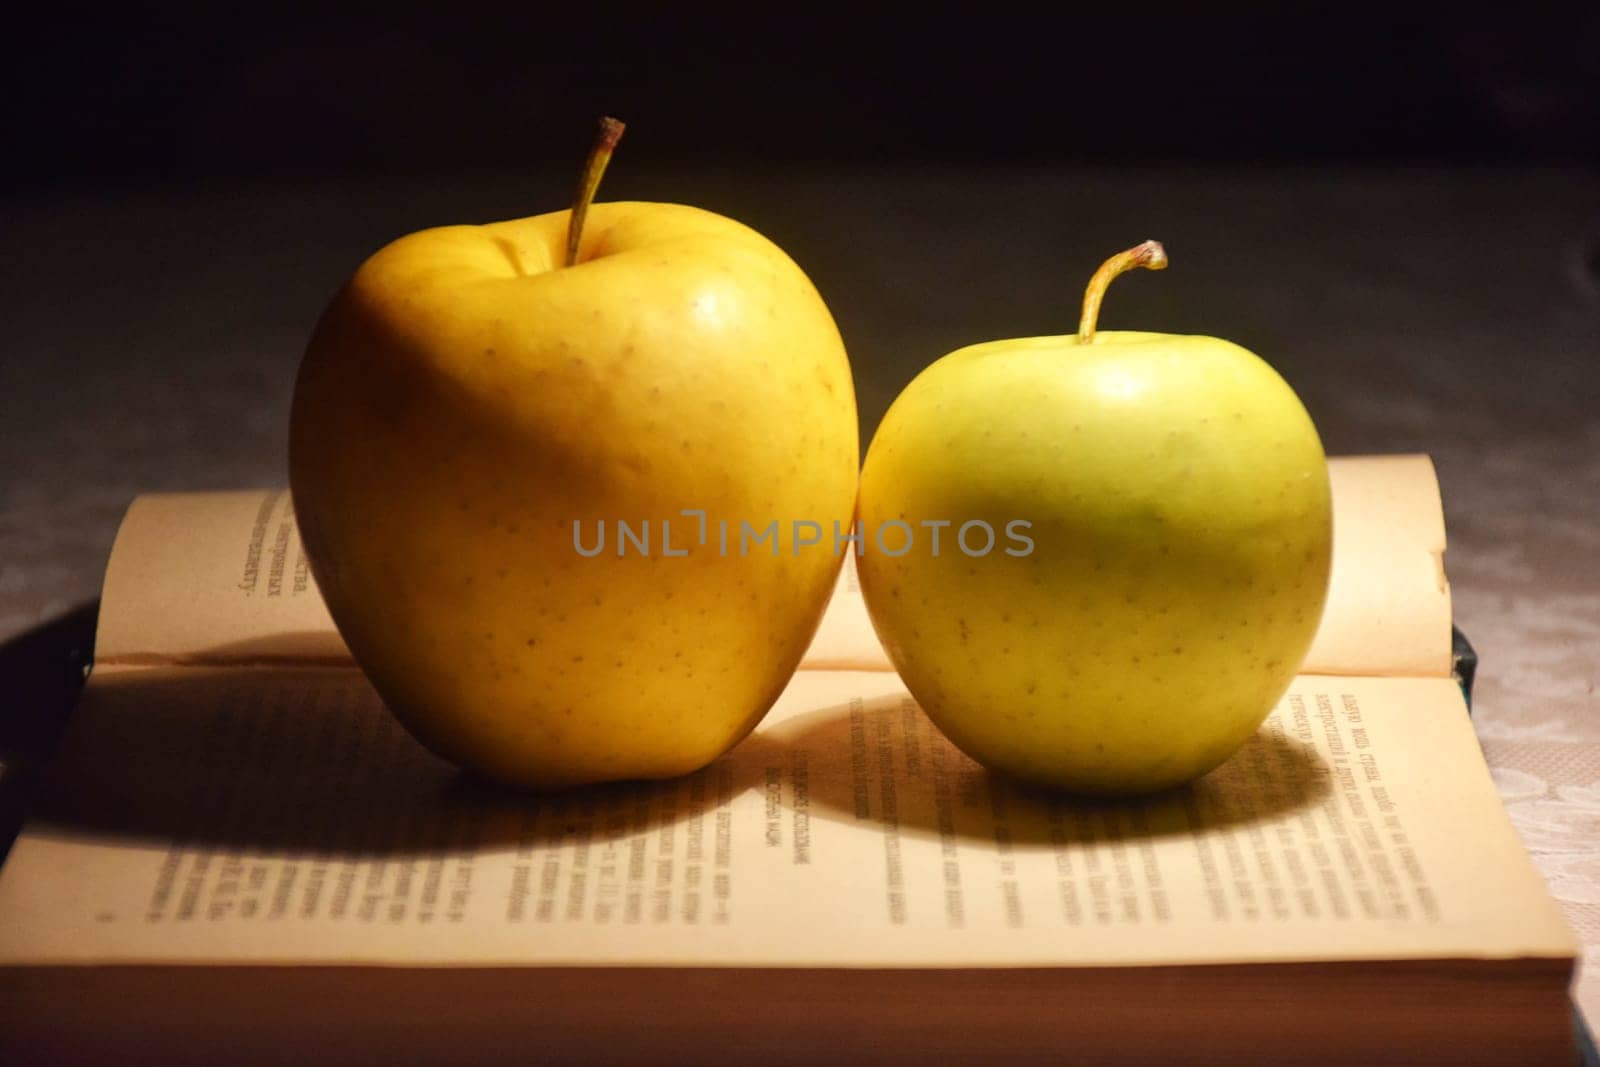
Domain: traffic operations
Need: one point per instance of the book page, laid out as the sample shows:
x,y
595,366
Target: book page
x,y
222,578
1388,608
213,577
282,816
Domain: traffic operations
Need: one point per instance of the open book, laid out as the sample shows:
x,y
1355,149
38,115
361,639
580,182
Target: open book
x,y
240,853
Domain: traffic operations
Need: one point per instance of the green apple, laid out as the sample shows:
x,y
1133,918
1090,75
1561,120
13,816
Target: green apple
x,y
1159,539
477,408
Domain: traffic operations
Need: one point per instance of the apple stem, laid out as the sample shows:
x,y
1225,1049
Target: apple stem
x,y
1150,256
594,169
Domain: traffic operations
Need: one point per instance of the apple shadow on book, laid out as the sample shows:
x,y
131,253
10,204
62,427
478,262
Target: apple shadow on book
x,y
298,761
939,792
308,761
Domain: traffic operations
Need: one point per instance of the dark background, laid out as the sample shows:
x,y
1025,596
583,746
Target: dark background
x,y
119,100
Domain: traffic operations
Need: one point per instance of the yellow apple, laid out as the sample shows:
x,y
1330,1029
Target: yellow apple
x,y
1161,538
475,407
